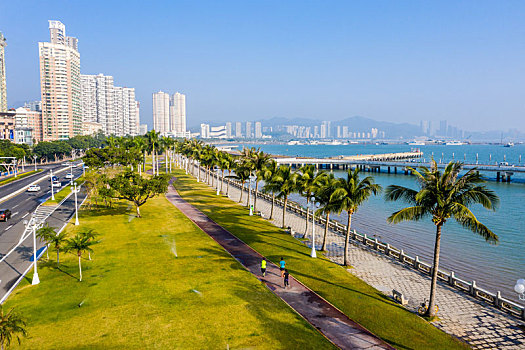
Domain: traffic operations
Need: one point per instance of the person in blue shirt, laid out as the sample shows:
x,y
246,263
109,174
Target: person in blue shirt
x,y
282,265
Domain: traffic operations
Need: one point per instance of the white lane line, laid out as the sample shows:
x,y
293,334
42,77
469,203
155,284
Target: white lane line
x,y
16,206
25,215
8,227
14,213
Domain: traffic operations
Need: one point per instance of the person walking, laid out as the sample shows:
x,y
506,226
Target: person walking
x,y
263,267
286,275
282,265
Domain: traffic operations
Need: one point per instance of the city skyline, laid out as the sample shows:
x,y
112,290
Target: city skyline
x,y
415,70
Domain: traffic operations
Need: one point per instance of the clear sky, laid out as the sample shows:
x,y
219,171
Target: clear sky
x,y
400,61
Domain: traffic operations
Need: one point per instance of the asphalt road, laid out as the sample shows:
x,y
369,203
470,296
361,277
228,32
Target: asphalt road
x,y
22,206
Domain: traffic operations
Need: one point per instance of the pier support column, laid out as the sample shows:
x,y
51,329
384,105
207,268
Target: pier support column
x,y
395,170
406,171
378,169
389,170
498,176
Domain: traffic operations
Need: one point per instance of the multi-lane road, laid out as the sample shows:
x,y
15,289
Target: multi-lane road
x,y
22,205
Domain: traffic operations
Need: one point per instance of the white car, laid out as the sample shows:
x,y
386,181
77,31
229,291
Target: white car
x,y
74,165
57,184
66,164
69,176
33,188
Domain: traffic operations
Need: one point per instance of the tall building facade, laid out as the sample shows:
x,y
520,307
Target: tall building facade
x,y
258,130
169,114
161,112
238,129
113,107
229,129
249,130
28,119
3,87
60,85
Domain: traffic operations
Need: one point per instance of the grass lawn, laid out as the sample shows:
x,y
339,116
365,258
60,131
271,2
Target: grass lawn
x,y
12,178
360,301
136,294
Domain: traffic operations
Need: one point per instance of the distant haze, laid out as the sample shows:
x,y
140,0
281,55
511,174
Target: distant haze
x,y
236,61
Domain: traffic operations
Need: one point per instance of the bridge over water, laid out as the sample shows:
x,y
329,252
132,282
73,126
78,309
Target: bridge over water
x,y
393,162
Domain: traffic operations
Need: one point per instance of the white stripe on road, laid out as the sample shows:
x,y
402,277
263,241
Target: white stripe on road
x,y
25,215
16,206
14,213
8,227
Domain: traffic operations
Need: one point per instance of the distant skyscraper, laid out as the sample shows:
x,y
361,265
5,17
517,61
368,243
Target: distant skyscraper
x,y
161,112
443,128
324,133
238,131
249,130
3,87
345,132
60,85
258,130
34,106
229,129
143,129
178,113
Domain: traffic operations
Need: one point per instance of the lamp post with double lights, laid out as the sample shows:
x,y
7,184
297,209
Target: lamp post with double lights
x,y
75,190
35,157
52,192
251,178
217,173
33,226
313,254
198,171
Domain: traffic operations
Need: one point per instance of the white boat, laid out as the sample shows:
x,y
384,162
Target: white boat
x,y
416,143
454,143
510,144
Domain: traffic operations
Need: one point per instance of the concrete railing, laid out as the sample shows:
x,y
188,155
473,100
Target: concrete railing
x,y
471,288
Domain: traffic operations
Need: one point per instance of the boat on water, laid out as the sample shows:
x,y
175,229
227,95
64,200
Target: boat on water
x,y
416,143
454,143
509,144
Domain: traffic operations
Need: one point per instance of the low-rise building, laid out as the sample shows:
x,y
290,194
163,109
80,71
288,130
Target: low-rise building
x,y
27,118
7,125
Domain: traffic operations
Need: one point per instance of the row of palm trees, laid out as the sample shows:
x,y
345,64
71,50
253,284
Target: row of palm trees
x,y
442,195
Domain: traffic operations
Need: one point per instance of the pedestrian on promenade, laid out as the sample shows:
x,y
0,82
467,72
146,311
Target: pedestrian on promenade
x,y
282,265
286,274
263,267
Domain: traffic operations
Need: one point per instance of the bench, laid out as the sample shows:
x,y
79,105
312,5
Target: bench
x,y
398,296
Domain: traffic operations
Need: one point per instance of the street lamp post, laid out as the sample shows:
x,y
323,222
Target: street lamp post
x,y
52,192
313,254
33,227
34,157
71,173
249,191
198,171
217,172
75,191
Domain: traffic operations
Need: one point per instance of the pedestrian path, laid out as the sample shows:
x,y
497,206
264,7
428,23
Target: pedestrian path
x,y
331,322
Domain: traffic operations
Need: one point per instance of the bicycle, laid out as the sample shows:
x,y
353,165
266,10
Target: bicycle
x,y
422,309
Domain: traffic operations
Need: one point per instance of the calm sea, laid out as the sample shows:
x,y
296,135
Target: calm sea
x,y
494,267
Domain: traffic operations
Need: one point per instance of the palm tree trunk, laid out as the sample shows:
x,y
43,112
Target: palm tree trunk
x,y
284,209
228,185
273,203
347,238
80,267
255,197
306,226
431,303
153,160
242,191
325,231
222,180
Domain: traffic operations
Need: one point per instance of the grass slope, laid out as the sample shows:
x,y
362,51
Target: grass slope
x,y
137,294
358,300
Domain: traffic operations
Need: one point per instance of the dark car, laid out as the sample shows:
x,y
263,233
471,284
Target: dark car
x,y
5,214
54,178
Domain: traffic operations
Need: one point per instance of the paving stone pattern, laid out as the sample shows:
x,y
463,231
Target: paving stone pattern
x,y
480,325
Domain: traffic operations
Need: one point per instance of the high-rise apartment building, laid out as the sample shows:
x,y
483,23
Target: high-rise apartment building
x,y
33,106
229,130
113,107
258,130
28,119
60,85
3,87
249,130
238,129
161,112
178,113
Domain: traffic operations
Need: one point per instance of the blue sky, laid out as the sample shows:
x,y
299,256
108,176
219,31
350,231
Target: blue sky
x,y
400,61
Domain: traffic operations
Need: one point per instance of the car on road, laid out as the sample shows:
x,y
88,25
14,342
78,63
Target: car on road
x,y
66,164
56,184
53,178
69,176
74,165
33,188
5,214
503,163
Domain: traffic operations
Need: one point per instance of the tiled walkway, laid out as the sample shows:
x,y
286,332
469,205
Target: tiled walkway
x,y
332,323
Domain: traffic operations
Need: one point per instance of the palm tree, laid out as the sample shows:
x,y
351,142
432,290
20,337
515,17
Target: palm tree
x,y
259,161
285,181
443,196
58,240
226,164
242,174
153,142
140,143
45,233
91,235
307,187
269,185
326,186
78,244
349,195
11,324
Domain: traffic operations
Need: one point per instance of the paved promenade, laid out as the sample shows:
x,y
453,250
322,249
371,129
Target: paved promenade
x,y
332,323
482,326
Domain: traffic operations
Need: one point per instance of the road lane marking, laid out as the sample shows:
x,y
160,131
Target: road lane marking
x,y
8,227
25,215
16,206
14,213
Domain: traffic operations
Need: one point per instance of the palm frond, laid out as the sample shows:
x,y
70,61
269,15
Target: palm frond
x,y
396,192
467,219
414,213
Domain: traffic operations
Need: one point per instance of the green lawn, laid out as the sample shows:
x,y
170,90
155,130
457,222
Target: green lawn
x,y
360,301
137,294
12,178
